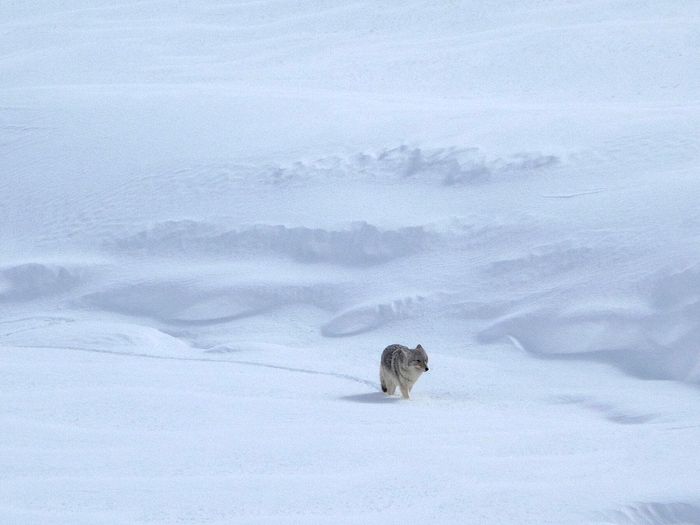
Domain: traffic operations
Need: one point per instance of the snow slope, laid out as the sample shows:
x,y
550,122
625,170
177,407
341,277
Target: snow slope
x,y
216,215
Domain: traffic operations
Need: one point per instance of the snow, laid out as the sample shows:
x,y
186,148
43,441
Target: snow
x,y
215,216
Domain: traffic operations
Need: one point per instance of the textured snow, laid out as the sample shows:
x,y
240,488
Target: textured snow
x,y
215,215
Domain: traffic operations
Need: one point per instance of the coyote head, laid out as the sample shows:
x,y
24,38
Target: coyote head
x,y
419,359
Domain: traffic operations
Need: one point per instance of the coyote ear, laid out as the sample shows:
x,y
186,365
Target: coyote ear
x,y
419,347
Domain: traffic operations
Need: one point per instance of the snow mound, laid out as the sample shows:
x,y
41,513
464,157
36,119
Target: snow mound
x,y
656,339
29,281
99,336
446,166
361,244
185,303
541,262
657,514
365,318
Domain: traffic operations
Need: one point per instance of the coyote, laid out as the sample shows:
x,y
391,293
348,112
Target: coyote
x,y
402,366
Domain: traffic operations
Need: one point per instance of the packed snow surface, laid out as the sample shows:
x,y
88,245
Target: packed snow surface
x,y
215,215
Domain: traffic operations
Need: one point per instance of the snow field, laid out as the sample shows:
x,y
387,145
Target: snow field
x,y
215,216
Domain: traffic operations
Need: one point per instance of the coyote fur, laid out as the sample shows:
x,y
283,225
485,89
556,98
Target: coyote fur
x,y
401,366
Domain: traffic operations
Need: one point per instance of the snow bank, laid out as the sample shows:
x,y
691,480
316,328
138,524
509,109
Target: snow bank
x,y
361,244
29,281
657,514
446,166
654,339
107,337
188,303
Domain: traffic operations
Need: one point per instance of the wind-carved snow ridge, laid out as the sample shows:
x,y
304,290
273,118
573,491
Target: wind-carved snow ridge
x,y
447,166
29,281
99,336
183,303
655,340
361,244
676,513
542,261
368,317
